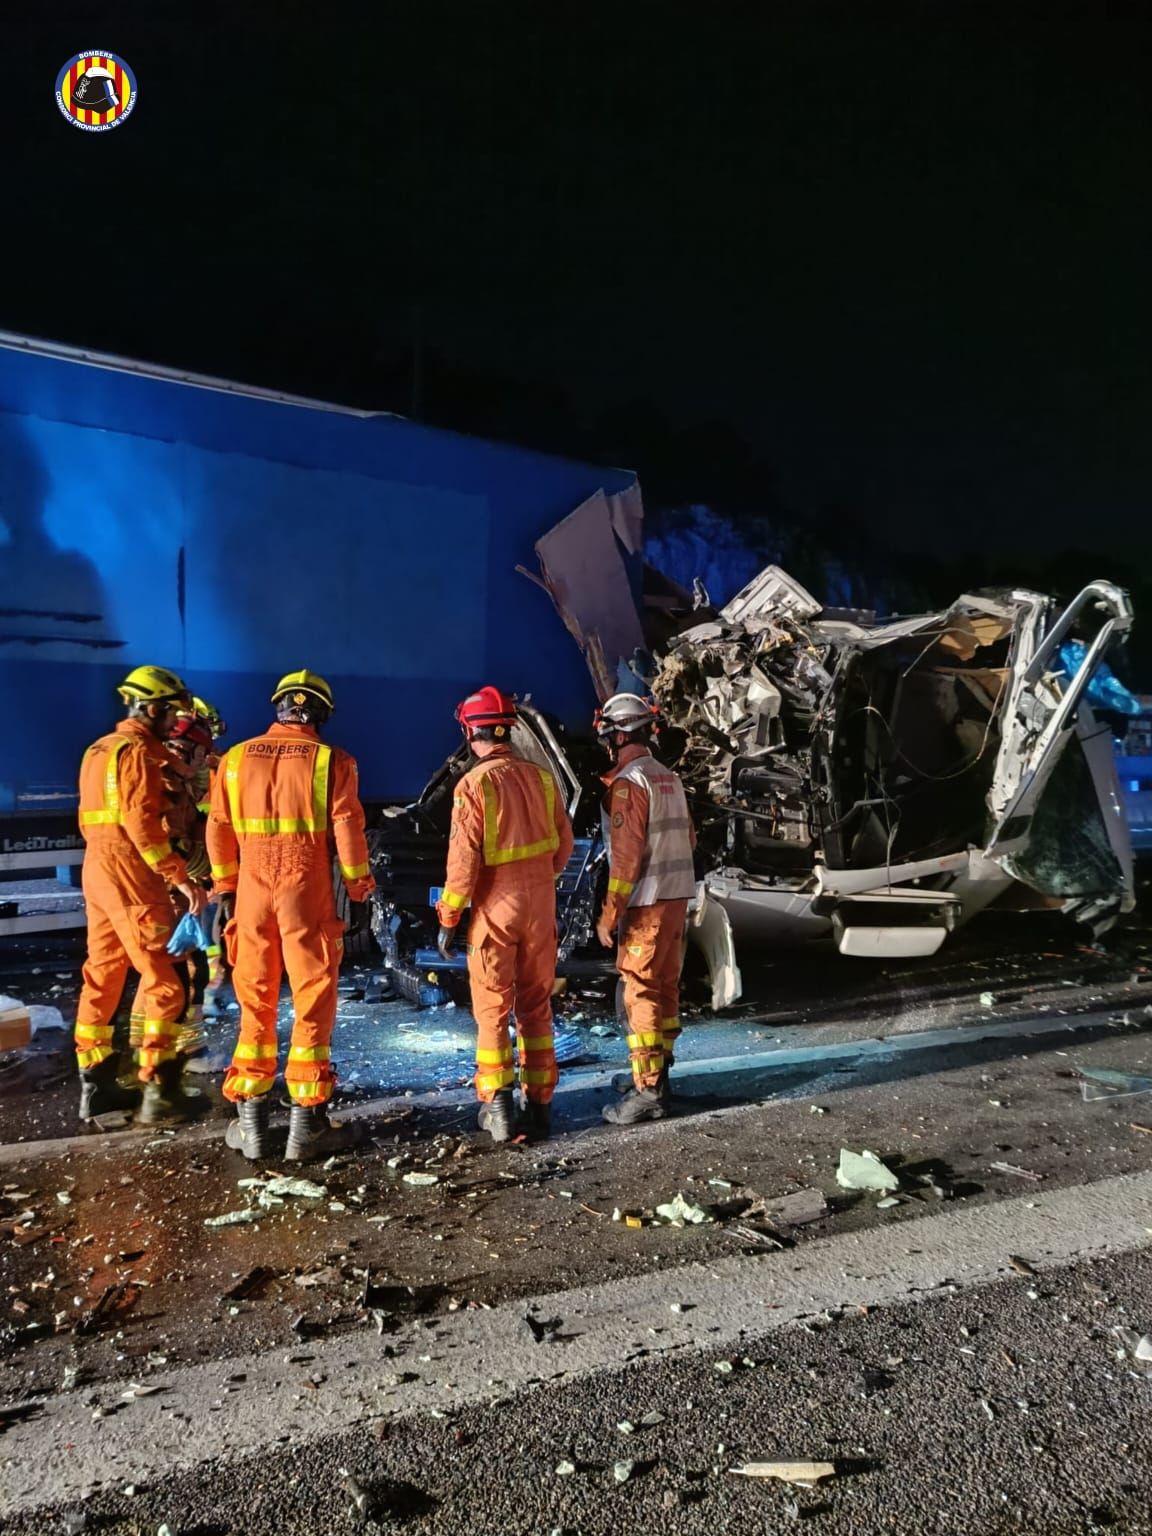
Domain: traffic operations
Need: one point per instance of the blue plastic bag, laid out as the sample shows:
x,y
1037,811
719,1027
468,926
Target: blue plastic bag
x,y
187,936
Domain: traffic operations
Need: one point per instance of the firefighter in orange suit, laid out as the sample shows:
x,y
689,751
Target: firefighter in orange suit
x,y
510,838
649,835
279,801
129,866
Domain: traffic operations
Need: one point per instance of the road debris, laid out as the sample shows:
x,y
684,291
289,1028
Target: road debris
x,y
113,1299
864,1170
234,1218
798,1209
888,1202
360,1500
282,1186
544,1330
1021,1266
1019,1173
623,1470
1102,1083
252,1284
565,1468
424,1180
680,1211
1145,1129
1137,1346
803,1473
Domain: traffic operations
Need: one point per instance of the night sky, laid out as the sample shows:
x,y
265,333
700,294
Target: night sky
x,y
880,271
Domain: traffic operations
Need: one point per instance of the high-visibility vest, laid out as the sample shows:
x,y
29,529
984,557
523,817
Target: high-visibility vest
x,y
666,870
315,805
529,840
108,812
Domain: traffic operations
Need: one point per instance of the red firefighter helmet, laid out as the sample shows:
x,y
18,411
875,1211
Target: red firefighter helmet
x,y
487,710
188,733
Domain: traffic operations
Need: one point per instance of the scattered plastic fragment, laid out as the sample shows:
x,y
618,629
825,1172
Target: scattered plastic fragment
x,y
422,1179
682,1212
565,1468
864,1170
801,1472
987,999
284,1184
1138,1346
887,1203
1020,1173
1102,1083
1021,1266
623,1470
234,1218
650,1420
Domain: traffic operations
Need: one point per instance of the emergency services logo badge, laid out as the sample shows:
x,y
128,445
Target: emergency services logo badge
x,y
96,91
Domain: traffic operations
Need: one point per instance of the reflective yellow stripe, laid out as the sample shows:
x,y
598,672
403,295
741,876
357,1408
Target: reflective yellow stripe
x,y
212,951
152,856
493,853
224,871
496,1058
93,1031
309,1053
320,790
645,1042
110,816
621,887
94,1057
537,1043
231,766
272,826
453,899
668,1024
503,1079
251,1085
353,871
204,807
259,1052
316,1088
538,1077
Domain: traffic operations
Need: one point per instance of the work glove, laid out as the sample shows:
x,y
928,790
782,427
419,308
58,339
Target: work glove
x,y
359,916
226,901
446,941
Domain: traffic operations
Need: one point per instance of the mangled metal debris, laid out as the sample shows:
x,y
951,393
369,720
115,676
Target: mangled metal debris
x,y
873,782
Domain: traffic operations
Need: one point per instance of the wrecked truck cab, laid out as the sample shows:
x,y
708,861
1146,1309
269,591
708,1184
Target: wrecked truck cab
x,y
880,783
873,783
409,847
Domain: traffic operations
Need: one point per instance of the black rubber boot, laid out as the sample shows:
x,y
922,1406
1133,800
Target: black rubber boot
x,y
311,1134
537,1121
100,1093
248,1133
664,1089
165,1100
498,1117
640,1104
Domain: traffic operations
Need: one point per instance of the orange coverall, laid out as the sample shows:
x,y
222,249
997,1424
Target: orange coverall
x,y
650,939
127,866
510,838
278,801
